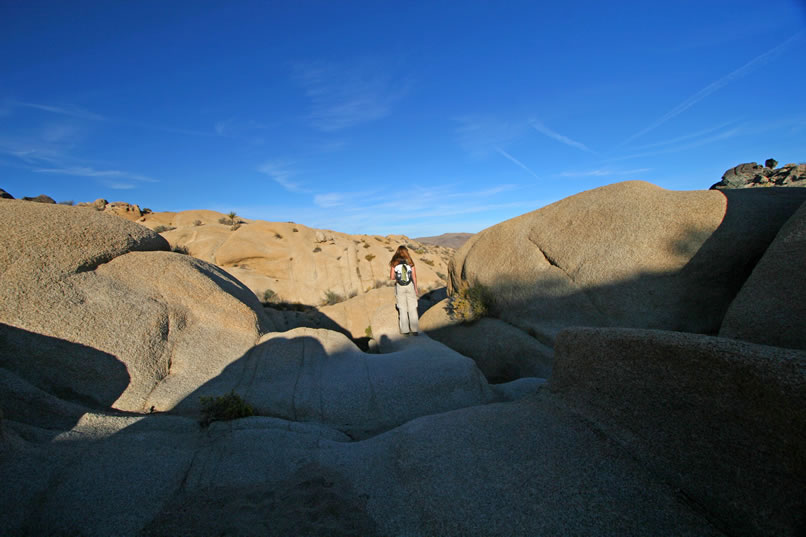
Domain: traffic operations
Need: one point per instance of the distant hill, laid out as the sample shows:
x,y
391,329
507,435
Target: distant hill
x,y
449,240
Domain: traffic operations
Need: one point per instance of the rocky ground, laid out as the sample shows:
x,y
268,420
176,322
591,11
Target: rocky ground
x,y
641,371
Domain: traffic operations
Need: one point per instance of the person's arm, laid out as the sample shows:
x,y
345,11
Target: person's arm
x,y
414,279
391,273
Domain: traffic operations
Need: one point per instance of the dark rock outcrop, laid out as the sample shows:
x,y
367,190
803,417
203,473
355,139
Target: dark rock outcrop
x,y
751,175
5,195
42,198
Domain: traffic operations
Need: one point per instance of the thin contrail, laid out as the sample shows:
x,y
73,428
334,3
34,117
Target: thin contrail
x,y
714,86
539,127
516,161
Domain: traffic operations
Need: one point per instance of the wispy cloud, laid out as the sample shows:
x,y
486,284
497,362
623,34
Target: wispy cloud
x,y
482,135
281,172
65,110
605,172
543,129
516,162
347,94
84,171
744,70
692,144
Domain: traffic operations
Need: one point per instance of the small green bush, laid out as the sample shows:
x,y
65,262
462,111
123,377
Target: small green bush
x,y
366,245
471,303
368,332
378,239
427,262
270,297
317,249
197,223
235,226
163,229
278,236
331,297
295,230
369,257
442,277
223,408
67,202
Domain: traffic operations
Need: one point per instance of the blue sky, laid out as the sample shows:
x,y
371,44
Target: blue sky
x,y
391,117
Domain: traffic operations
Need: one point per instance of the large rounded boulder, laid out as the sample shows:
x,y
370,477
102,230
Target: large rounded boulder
x,y
629,254
93,309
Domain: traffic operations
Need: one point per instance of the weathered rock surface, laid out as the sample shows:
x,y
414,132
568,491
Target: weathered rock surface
x,y
119,319
501,351
753,175
721,420
295,262
771,306
628,254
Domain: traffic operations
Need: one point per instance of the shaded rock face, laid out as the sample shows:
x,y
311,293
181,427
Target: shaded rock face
x,y
84,279
5,195
628,254
771,306
753,175
721,420
296,263
501,351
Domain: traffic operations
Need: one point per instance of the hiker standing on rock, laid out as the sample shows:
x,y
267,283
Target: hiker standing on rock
x,y
401,269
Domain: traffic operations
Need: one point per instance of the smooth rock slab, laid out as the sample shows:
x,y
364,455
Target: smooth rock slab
x,y
320,376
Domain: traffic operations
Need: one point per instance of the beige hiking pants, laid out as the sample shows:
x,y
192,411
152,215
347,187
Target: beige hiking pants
x,y
407,308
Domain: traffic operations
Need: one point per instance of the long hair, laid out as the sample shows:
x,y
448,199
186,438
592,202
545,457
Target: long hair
x,y
401,256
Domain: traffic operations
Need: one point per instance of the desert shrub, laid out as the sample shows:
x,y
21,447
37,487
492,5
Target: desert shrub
x,y
278,236
427,262
67,202
146,211
163,229
223,408
197,223
317,249
332,297
235,226
770,163
369,257
352,294
225,221
295,230
270,297
179,249
366,245
441,276
368,331
390,248
378,239
471,303
420,251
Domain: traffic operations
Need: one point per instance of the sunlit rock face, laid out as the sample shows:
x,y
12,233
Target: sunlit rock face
x,y
629,254
296,263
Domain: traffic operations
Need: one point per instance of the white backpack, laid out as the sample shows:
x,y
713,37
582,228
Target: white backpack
x,y
403,274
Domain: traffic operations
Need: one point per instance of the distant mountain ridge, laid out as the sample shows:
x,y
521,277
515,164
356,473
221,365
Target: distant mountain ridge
x,y
449,240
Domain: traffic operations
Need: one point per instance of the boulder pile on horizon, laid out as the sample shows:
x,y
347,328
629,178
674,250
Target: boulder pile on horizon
x,y
641,371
